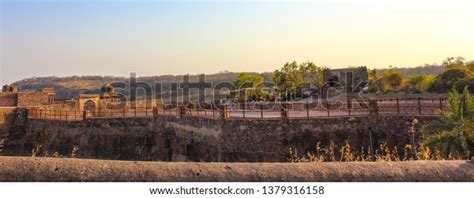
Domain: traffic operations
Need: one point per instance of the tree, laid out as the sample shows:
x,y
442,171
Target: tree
x,y
458,74
453,133
372,81
470,66
452,62
465,82
249,87
448,79
419,82
292,76
372,75
390,80
246,80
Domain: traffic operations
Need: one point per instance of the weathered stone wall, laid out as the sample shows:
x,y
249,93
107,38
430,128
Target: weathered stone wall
x,y
169,138
164,139
26,99
269,140
8,99
29,169
6,119
23,99
7,115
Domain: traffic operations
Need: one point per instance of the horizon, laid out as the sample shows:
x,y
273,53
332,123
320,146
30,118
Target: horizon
x,y
196,74
153,38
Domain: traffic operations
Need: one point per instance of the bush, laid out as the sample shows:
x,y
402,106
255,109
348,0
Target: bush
x,y
417,83
469,82
388,91
445,81
453,133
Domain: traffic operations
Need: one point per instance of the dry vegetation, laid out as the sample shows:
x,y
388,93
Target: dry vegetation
x,y
383,153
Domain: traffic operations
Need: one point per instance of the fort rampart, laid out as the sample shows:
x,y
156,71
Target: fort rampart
x,y
175,138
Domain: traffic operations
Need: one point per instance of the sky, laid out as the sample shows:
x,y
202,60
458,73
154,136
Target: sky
x,y
105,37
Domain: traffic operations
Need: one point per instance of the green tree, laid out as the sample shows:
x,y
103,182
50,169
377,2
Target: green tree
x,y
246,80
445,81
372,81
390,80
452,62
470,66
291,77
372,75
419,82
452,134
465,82
249,87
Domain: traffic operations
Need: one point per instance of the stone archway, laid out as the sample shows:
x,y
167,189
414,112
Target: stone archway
x,y
92,101
89,105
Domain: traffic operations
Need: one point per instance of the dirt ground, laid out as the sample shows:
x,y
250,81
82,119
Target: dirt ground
x,y
28,169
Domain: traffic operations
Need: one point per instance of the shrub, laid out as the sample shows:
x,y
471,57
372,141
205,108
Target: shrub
x,y
445,81
466,82
453,133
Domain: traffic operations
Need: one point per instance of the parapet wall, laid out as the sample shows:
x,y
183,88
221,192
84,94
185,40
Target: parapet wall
x,y
27,169
170,138
26,99
23,99
8,99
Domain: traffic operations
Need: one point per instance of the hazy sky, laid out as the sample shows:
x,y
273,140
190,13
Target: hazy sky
x,y
92,37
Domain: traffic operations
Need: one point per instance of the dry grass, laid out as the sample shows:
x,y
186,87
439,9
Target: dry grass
x,y
35,151
79,84
384,153
2,144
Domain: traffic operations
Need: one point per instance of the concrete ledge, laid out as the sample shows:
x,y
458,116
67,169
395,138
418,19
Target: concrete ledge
x,y
27,169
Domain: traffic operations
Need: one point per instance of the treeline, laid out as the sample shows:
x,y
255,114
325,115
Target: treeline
x,y
425,69
292,80
456,72
431,78
70,87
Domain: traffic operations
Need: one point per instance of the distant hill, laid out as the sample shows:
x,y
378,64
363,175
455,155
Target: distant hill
x,y
426,69
71,87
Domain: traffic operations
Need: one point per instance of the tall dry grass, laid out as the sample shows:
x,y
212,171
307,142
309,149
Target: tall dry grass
x,y
384,153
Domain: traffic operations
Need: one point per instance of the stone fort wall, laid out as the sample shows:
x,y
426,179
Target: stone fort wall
x,y
7,116
24,99
8,99
170,138
33,99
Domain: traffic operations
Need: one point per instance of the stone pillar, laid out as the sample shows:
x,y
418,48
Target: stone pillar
x,y
373,112
155,111
26,114
225,112
284,111
181,110
84,115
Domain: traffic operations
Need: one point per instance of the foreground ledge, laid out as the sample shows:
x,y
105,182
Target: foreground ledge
x,y
28,169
